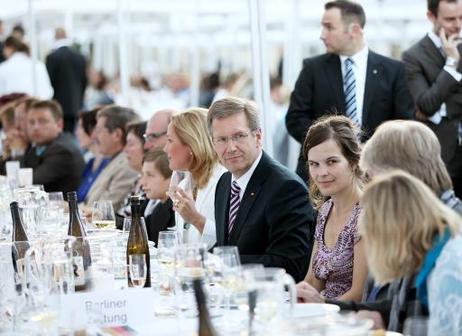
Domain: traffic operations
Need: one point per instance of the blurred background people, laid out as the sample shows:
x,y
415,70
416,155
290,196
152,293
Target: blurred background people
x,y
54,157
134,152
95,162
155,180
156,129
189,149
97,92
67,70
116,179
338,266
408,231
15,72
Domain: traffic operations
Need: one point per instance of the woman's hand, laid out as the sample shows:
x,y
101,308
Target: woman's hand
x,y
307,293
184,204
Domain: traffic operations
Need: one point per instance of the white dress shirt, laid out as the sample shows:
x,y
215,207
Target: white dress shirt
x,y
16,76
243,181
360,71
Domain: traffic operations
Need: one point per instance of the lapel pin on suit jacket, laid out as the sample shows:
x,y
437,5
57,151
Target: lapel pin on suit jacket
x,y
252,194
375,71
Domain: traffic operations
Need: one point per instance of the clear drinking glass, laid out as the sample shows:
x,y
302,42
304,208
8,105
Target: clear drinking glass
x,y
137,269
103,215
126,225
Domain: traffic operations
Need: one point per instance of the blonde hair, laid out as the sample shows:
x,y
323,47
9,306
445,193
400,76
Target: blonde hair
x,y
410,146
399,220
191,128
342,130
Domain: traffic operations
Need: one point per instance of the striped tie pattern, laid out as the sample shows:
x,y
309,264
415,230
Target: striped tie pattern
x,y
233,205
349,87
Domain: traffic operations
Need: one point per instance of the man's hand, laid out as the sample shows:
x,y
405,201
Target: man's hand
x,y
450,45
308,294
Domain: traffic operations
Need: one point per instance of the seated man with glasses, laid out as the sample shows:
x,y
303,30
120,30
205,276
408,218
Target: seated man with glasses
x,y
156,130
260,206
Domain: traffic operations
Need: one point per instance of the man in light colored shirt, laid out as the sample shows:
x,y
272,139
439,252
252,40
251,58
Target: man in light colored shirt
x,y
434,73
348,79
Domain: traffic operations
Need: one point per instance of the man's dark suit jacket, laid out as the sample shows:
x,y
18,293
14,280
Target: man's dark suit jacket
x,y
319,91
67,71
275,222
431,86
161,218
59,167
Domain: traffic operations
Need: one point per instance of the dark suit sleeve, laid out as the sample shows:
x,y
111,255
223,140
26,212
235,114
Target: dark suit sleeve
x,y
300,113
428,96
290,221
57,163
403,102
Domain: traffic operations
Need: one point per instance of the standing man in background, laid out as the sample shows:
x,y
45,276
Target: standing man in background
x,y
67,70
434,72
348,79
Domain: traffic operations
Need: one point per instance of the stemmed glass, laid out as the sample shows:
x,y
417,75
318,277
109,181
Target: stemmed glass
x,y
189,266
167,243
103,215
137,269
228,274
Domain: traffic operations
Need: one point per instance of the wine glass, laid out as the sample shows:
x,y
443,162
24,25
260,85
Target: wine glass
x,y
102,215
137,269
126,225
56,199
189,266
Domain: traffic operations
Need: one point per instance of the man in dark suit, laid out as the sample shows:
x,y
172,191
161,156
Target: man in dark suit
x,y
260,206
54,156
434,73
348,79
67,71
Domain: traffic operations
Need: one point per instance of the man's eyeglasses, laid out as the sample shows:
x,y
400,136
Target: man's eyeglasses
x,y
237,138
153,136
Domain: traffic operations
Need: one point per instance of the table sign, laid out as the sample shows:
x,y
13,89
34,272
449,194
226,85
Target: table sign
x,y
106,308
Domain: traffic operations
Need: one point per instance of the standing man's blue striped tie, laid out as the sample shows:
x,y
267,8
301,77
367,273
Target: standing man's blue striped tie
x,y
349,87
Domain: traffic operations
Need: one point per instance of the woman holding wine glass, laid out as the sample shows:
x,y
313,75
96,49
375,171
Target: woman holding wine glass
x,y
189,149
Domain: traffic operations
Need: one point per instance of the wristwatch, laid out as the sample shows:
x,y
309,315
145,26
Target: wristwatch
x,y
451,62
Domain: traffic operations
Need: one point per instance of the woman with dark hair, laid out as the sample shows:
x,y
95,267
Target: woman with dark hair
x,y
134,149
95,162
16,71
338,267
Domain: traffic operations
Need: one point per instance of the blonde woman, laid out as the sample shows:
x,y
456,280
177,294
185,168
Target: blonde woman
x,y
189,148
407,231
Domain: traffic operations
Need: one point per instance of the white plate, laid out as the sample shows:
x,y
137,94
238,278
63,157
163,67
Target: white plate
x,y
314,309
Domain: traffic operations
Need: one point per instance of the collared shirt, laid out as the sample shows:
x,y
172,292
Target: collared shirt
x,y
438,115
360,70
243,181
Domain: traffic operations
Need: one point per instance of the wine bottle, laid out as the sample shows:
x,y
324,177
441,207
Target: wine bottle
x,y
19,238
81,249
205,324
137,242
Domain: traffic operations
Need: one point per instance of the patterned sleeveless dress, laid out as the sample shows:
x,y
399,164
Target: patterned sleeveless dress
x,y
335,266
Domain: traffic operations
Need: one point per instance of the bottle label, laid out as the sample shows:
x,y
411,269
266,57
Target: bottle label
x,y
79,271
